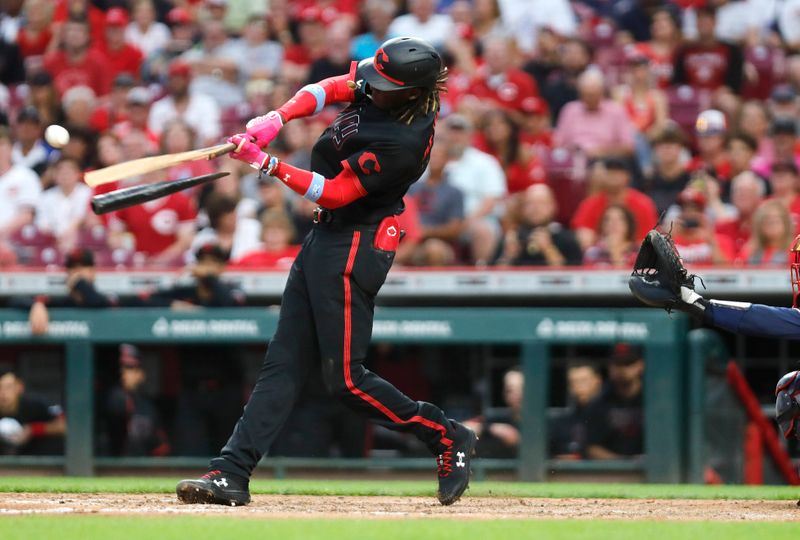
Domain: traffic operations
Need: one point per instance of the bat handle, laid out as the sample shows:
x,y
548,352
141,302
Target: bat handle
x,y
222,150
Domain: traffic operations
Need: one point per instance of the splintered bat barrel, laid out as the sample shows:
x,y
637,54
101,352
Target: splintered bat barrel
x,y
123,198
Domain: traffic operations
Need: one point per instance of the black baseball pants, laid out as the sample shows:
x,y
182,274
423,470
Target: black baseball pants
x,y
326,323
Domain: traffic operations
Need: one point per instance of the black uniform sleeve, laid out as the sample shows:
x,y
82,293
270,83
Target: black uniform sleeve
x,y
90,297
383,166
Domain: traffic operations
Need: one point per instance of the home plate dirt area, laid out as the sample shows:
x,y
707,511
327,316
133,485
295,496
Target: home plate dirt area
x,y
315,506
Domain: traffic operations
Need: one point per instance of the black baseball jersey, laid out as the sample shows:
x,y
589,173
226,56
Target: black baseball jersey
x,y
387,156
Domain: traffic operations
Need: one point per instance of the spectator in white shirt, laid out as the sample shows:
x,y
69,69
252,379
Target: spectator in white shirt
x,y
62,208
423,22
481,179
215,64
525,18
19,190
145,32
198,110
257,55
30,150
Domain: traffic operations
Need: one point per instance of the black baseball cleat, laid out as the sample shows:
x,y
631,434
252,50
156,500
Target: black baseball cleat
x,y
454,464
214,487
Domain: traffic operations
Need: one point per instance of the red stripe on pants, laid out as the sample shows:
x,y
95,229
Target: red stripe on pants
x,y
347,336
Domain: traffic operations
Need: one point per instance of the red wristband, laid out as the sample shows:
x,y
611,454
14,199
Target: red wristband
x,y
38,429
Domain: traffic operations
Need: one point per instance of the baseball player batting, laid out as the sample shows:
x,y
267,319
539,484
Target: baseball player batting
x,y
659,279
361,166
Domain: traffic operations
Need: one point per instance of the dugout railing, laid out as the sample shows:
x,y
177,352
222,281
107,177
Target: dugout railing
x,y
534,331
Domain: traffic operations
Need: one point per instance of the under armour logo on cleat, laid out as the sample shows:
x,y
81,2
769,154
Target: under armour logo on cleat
x,y
222,482
460,462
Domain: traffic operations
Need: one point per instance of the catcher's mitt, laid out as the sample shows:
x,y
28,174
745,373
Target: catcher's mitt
x,y
658,273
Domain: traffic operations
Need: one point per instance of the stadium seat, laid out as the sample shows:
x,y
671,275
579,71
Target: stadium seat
x,y
685,103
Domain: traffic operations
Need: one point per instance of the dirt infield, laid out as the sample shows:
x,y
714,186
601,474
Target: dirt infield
x,y
305,506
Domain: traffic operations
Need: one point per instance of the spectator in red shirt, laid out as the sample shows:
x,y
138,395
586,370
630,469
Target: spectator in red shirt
x,y
499,81
707,62
613,189
772,237
159,231
747,193
276,250
312,45
536,131
122,57
711,128
76,64
660,50
500,138
81,10
114,110
616,245
34,36
694,234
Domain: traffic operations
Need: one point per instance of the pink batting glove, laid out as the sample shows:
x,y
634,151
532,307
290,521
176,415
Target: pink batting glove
x,y
248,151
265,128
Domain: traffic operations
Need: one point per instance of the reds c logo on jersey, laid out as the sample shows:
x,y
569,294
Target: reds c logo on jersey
x,y
369,163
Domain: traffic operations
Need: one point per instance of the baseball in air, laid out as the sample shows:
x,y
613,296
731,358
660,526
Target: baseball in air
x,y
56,136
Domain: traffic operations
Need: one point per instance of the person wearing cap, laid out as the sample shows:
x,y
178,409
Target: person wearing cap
x,y
614,188
29,149
114,110
19,190
783,102
708,63
123,57
297,58
670,173
145,32
783,145
81,292
207,289
480,178
40,424
131,418
536,130
76,62
711,128
362,166
694,235
594,125
615,420
198,110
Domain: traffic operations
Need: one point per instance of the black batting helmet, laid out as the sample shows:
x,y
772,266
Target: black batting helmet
x,y
401,63
787,408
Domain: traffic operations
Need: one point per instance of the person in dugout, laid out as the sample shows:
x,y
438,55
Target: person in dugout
x,y
361,166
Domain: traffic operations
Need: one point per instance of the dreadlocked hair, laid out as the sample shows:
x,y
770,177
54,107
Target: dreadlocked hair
x,y
426,103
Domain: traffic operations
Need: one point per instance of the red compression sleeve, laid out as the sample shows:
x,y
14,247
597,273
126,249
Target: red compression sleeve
x,y
312,98
339,191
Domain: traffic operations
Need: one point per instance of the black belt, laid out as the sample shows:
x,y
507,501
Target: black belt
x,y
327,217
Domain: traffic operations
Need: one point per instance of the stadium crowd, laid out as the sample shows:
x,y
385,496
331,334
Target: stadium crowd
x,y
569,128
